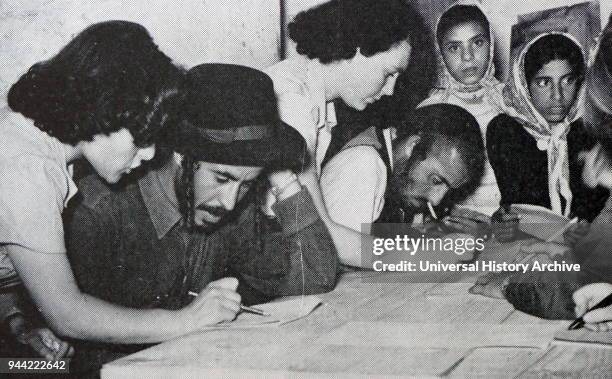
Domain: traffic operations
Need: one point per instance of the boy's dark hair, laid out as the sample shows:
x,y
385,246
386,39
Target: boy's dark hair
x,y
334,30
110,76
448,125
550,48
460,14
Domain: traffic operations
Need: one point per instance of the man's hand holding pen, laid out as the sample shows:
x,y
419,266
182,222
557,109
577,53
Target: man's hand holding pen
x,y
218,302
465,220
588,300
224,291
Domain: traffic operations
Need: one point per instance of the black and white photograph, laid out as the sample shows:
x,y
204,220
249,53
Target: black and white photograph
x,y
305,189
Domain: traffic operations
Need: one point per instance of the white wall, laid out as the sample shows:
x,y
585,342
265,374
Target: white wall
x,y
503,14
193,31
189,31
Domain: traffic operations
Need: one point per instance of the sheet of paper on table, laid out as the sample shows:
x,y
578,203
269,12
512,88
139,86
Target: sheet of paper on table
x,y
538,221
446,335
280,312
583,335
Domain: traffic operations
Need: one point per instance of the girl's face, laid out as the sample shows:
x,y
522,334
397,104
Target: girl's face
x,y
553,90
465,50
115,154
367,79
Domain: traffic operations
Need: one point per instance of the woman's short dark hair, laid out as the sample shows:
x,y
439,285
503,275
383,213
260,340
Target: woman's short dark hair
x,y
553,47
110,76
460,14
334,30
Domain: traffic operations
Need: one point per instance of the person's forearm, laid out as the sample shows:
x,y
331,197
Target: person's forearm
x,y
347,241
97,320
50,282
314,264
312,254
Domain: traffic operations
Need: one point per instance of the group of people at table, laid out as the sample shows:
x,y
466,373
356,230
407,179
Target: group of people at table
x,y
264,184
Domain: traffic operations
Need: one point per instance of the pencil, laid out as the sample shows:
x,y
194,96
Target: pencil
x,y
243,308
560,232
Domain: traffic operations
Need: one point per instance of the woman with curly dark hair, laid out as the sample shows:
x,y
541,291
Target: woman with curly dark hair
x,y
101,99
351,50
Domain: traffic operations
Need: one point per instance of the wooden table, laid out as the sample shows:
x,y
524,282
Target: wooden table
x,y
367,328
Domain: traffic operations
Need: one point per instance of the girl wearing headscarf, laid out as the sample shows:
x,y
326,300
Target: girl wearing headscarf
x,y
534,147
569,294
467,79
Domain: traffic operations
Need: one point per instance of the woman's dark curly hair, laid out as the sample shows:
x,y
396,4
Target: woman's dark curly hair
x,y
550,48
110,76
334,30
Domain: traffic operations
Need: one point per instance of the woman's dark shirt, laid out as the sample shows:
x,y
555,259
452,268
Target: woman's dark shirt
x,y
521,168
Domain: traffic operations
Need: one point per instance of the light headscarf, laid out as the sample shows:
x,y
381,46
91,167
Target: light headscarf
x,y
487,89
552,140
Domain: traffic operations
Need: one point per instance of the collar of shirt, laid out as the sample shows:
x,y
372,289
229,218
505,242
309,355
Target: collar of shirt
x,y
323,112
326,116
160,199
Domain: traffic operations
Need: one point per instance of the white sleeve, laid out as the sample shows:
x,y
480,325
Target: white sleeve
x,y
353,184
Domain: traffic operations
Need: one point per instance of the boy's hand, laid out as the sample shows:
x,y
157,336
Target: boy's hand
x,y
505,224
585,298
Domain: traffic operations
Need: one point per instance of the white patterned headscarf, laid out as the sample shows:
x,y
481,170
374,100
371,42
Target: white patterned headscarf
x,y
551,139
487,89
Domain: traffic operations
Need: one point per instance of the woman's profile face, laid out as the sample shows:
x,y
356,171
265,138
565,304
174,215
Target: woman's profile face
x,y
115,154
465,50
367,79
553,90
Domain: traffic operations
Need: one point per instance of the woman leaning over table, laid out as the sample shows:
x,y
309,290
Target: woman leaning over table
x,y
99,99
351,50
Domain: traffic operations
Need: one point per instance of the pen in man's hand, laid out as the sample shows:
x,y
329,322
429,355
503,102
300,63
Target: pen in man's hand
x,y
432,212
579,322
243,308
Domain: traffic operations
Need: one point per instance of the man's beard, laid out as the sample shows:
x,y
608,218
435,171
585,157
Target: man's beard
x,y
398,185
180,188
218,212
